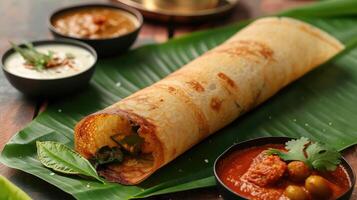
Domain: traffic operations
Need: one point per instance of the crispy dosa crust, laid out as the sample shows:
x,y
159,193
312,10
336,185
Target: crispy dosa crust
x,y
208,93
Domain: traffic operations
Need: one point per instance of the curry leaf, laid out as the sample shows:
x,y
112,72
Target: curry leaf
x,y
62,159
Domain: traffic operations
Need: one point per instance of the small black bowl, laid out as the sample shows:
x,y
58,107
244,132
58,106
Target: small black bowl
x,y
50,87
107,46
229,194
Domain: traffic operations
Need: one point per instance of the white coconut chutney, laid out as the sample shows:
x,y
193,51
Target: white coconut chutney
x,y
82,60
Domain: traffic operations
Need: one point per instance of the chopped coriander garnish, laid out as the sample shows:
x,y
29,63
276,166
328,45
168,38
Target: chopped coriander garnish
x,y
70,56
316,155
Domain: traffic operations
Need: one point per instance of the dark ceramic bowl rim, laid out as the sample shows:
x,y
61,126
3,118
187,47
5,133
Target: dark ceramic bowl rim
x,y
231,149
125,8
77,43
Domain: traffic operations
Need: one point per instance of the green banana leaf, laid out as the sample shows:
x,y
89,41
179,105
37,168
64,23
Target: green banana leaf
x,y
321,106
10,191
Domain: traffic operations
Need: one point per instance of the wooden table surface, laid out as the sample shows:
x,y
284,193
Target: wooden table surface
x,y
26,20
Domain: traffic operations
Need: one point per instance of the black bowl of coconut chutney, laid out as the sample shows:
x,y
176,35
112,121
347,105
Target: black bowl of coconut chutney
x,y
53,68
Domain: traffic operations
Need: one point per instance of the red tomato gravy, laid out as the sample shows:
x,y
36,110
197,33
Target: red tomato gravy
x,y
231,169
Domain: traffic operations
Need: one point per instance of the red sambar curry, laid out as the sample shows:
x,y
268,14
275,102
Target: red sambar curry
x,y
254,175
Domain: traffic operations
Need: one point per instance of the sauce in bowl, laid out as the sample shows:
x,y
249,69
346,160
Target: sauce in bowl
x,y
252,174
71,60
95,23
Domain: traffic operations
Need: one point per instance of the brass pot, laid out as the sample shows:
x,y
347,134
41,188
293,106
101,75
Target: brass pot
x,y
184,6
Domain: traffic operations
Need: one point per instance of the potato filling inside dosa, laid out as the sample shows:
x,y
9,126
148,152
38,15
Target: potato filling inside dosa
x,y
104,129
205,95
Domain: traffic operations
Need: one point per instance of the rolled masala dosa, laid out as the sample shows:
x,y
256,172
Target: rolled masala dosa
x,y
156,124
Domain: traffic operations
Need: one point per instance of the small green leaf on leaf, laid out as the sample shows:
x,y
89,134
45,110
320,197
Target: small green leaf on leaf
x,y
61,158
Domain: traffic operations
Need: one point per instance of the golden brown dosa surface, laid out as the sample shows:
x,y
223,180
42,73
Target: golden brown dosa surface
x,y
205,95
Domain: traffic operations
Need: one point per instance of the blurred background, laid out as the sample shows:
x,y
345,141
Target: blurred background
x,y
27,20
